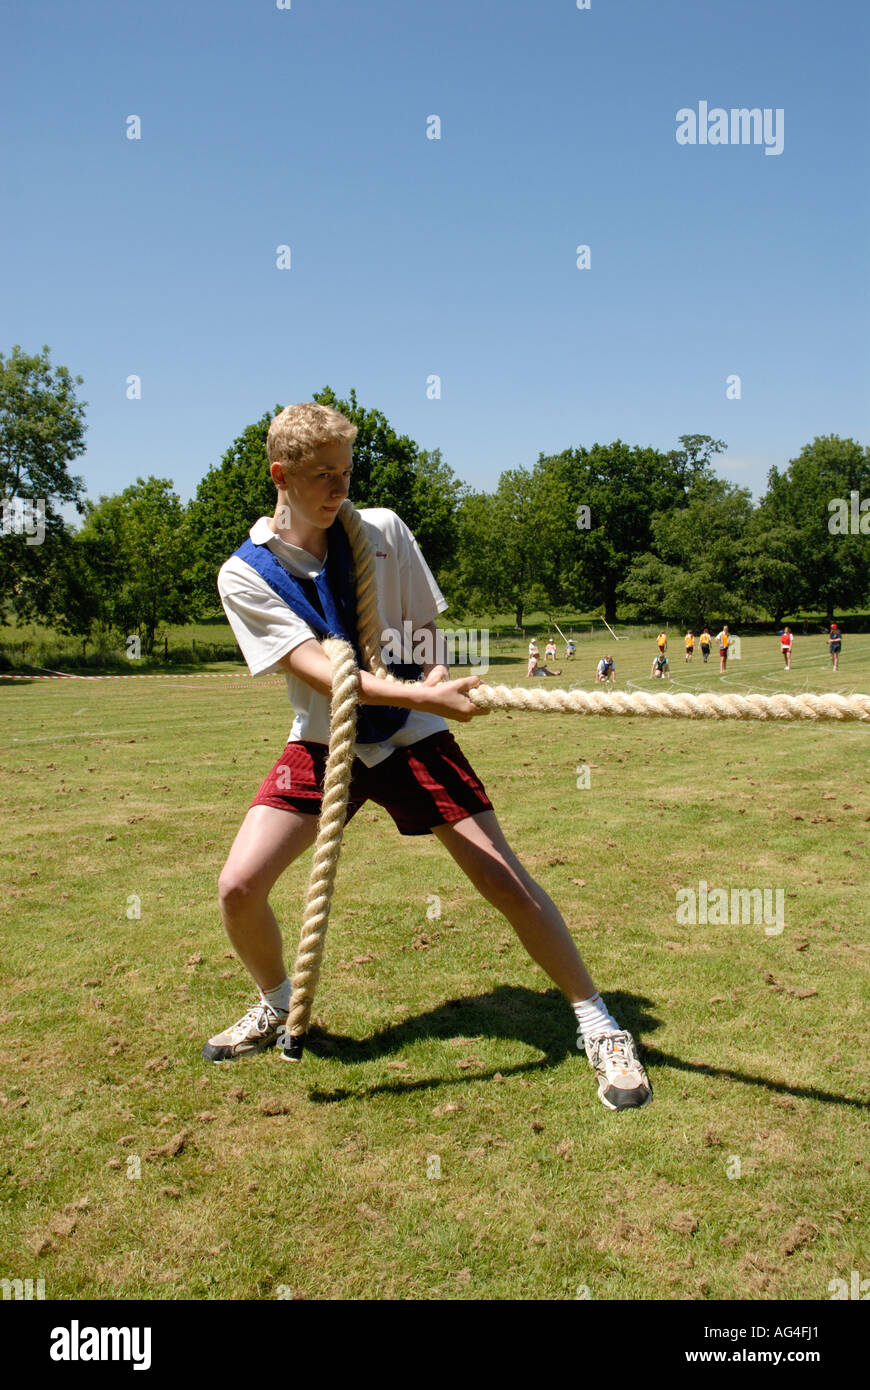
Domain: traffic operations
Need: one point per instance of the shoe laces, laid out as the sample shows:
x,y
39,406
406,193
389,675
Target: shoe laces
x,y
618,1046
257,1017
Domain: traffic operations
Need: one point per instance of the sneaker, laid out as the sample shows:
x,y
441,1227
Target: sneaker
x,y
261,1027
622,1082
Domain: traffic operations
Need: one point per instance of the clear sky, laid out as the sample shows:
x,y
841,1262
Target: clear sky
x,y
456,257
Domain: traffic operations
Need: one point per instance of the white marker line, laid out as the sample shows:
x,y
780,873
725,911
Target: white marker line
x,y
83,733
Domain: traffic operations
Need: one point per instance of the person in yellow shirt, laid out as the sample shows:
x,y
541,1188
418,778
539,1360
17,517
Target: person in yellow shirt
x,y
690,645
662,642
724,640
706,642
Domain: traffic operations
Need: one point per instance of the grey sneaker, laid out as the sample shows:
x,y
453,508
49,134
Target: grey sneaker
x,y
261,1027
622,1082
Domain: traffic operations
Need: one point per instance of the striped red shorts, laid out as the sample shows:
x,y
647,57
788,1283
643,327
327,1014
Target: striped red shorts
x,y
429,783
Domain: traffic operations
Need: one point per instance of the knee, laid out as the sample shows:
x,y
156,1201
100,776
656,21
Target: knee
x,y
237,891
502,886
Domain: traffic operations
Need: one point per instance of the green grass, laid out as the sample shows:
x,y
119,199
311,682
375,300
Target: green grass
x,y
436,1039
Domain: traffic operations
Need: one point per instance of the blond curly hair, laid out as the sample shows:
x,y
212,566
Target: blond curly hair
x,y
301,430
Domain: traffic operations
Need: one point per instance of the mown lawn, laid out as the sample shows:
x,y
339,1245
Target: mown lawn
x,y
442,1138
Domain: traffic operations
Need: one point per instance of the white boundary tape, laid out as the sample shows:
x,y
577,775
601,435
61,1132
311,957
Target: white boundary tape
x,y
69,676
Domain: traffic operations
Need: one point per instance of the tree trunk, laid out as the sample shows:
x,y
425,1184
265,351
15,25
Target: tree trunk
x,y
519,615
610,601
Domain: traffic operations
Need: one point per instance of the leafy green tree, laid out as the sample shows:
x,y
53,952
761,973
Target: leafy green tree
x,y
500,550
696,566
601,507
834,567
41,431
136,554
228,501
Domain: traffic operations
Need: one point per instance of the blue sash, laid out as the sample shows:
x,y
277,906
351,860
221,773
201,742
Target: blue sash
x,y
327,603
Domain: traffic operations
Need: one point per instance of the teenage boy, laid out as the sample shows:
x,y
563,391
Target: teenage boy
x,y
405,758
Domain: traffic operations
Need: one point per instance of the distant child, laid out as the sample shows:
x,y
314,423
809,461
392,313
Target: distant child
x,y
835,642
533,648
785,639
606,670
570,648
662,641
724,640
661,667
536,669
706,640
550,649
690,645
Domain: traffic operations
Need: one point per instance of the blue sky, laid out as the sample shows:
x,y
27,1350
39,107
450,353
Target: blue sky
x,y
455,257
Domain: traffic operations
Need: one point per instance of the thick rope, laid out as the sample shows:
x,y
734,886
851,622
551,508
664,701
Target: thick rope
x,y
327,847
342,736
681,706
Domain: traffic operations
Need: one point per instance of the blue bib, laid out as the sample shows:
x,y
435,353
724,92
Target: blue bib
x,y
327,603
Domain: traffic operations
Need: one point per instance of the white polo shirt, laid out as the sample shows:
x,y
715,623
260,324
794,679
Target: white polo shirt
x,y
266,629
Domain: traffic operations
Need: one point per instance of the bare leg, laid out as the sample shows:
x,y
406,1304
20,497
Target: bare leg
x,y
268,841
482,852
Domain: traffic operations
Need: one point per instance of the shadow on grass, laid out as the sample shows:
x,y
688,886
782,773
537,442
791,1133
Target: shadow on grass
x,y
540,1020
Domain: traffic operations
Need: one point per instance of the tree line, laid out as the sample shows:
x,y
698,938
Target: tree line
x,y
638,533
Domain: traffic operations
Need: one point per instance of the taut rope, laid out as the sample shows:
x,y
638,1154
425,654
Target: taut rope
x,y
681,706
342,735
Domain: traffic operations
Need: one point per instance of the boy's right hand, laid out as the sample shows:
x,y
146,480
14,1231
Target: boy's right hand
x,y
449,699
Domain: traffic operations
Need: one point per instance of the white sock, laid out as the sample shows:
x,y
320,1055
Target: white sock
x,y
279,997
594,1018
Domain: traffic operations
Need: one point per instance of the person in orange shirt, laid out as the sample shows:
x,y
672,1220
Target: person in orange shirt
x,y
786,639
724,640
690,645
706,642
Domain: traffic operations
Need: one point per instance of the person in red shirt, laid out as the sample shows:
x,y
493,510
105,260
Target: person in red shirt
x,y
786,640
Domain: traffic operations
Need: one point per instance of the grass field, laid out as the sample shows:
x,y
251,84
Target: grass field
x,y
442,1138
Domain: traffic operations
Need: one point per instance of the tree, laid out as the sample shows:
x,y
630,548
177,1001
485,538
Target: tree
x,y
500,549
601,506
136,550
228,501
834,566
696,565
41,431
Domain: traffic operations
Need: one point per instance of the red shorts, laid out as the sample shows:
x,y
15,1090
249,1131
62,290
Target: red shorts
x,y
429,783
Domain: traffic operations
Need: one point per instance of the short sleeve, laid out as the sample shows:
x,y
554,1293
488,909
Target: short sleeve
x,y
265,628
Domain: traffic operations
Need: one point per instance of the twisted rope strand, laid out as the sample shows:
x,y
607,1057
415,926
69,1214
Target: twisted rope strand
x,y
681,706
327,847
